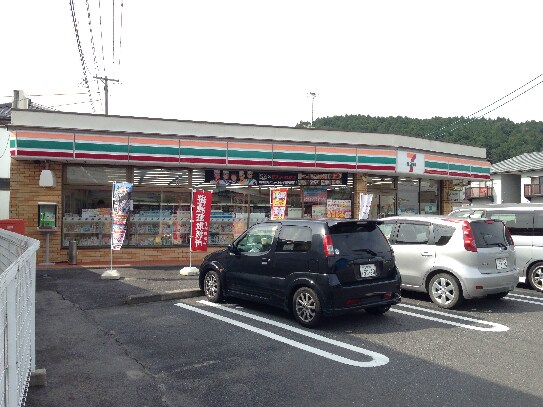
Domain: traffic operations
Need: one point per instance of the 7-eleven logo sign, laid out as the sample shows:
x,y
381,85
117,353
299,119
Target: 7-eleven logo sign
x,y
412,163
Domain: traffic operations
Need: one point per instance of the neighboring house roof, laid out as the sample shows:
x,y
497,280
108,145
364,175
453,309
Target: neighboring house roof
x,y
521,163
5,110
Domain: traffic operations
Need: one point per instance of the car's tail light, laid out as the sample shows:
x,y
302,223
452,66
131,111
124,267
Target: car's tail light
x,y
509,237
328,246
469,237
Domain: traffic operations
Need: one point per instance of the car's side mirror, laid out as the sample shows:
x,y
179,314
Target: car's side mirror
x,y
232,248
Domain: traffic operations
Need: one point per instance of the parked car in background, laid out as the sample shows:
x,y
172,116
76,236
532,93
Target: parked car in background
x,y
452,259
312,268
525,222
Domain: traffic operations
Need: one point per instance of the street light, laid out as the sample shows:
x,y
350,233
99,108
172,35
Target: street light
x,y
312,95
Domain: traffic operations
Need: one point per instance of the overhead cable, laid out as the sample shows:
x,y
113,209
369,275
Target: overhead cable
x,y
497,107
92,43
486,107
81,55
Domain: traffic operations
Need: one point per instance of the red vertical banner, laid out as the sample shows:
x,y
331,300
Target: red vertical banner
x,y
278,198
201,213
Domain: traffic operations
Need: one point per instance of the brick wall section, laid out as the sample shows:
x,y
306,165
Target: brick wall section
x,y
446,205
25,193
360,186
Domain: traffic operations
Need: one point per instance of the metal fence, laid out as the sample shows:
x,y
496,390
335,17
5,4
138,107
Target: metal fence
x,y
17,316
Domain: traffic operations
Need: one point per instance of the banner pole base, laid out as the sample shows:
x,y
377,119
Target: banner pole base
x,y
110,275
189,271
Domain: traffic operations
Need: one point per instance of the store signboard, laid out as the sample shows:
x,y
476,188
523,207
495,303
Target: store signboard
x,y
322,178
277,178
338,208
201,214
231,177
412,163
315,195
122,192
278,198
284,178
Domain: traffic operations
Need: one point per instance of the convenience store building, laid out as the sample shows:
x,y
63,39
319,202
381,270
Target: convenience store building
x,y
67,162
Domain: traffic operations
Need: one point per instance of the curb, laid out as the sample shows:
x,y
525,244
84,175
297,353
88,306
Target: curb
x,y
166,296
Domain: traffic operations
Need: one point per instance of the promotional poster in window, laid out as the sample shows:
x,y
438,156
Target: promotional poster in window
x,y
284,178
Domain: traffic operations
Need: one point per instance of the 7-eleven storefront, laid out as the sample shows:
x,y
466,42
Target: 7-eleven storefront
x,y
65,164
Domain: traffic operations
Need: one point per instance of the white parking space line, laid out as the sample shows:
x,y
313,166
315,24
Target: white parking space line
x,y
494,327
377,358
521,298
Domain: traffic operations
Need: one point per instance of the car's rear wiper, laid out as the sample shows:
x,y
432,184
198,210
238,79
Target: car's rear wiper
x,y
497,244
366,250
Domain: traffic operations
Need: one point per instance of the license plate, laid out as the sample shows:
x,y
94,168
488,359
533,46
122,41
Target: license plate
x,y
368,270
501,264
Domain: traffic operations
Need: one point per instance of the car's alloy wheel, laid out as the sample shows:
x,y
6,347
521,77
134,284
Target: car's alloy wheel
x,y
535,277
212,286
306,307
445,291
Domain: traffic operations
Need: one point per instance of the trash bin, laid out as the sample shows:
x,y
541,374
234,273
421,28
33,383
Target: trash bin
x,y
72,252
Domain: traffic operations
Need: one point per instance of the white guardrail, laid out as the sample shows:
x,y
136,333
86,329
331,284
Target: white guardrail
x,y
17,316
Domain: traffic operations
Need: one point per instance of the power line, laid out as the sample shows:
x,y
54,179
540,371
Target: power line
x,y
486,107
74,103
102,36
50,94
92,42
497,107
5,148
113,36
81,55
120,33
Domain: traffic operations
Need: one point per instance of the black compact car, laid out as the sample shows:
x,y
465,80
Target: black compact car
x,y
312,268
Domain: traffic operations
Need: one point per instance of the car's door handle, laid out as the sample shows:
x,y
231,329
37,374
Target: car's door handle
x,y
265,260
426,254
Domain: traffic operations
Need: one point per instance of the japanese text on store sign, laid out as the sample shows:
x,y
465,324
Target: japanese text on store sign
x,y
201,213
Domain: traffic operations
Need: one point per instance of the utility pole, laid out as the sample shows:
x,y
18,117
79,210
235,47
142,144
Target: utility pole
x,y
105,80
312,95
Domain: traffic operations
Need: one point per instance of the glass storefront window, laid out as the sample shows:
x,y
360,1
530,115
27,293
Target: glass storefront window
x,y
94,175
161,198
408,196
159,218
383,202
429,196
86,215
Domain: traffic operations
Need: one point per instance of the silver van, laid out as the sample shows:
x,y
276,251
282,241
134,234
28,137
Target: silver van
x,y
452,259
525,223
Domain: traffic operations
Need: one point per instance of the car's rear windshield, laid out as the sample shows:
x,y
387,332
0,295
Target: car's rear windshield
x,y
489,234
355,237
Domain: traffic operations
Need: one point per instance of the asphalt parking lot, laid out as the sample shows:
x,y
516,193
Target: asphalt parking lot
x,y
100,351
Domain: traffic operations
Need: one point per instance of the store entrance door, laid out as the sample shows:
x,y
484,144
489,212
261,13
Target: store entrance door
x,y
383,204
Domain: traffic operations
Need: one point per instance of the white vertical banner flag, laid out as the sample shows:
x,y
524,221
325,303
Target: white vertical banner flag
x,y
365,205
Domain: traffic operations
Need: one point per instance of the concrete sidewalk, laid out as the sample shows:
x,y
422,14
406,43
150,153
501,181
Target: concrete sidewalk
x,y
86,366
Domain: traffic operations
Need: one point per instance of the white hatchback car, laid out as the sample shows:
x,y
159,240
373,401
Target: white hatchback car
x,y
452,259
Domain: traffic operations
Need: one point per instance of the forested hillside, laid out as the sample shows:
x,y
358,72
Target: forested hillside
x,y
502,138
